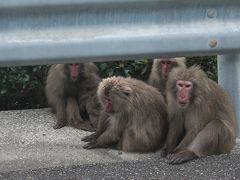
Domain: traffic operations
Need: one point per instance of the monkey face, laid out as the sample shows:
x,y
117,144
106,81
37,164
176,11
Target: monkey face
x,y
184,89
114,95
188,86
72,71
165,65
75,71
120,99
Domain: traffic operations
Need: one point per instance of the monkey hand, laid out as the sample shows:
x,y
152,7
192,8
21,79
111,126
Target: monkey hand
x,y
89,138
91,145
181,157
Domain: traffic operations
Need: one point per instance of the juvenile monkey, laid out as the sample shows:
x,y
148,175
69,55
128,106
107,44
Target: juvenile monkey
x,y
134,116
202,119
160,72
71,91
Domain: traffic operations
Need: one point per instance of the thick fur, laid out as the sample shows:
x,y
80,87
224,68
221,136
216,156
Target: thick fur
x,y
156,79
138,122
74,102
206,126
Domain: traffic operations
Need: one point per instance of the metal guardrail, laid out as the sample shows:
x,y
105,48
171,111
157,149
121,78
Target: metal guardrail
x,y
57,31
43,32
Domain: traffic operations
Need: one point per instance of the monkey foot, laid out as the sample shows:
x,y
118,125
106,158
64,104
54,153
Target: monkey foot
x,y
59,125
181,157
88,138
164,152
90,145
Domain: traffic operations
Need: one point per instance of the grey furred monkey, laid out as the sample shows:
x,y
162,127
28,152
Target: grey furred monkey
x,y
133,117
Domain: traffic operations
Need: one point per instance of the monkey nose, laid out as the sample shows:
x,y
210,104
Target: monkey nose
x,y
183,99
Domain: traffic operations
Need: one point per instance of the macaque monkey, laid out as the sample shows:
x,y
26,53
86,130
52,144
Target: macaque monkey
x,y
202,120
160,71
133,117
71,91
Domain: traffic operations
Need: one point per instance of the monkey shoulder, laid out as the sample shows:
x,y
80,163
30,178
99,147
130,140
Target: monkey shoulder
x,y
55,80
90,82
94,77
217,91
151,101
92,67
157,83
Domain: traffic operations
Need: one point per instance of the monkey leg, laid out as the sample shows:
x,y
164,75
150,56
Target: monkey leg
x,y
164,152
74,118
53,110
61,114
205,143
175,134
59,125
130,143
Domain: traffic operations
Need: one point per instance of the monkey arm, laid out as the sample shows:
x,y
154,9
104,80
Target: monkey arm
x,y
108,138
101,127
73,114
60,107
175,133
110,135
93,108
105,140
186,141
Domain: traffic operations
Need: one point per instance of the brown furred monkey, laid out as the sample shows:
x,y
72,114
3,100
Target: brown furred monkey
x,y
160,71
202,120
71,90
134,116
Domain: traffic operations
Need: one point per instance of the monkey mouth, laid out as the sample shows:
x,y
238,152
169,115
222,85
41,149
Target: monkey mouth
x,y
182,104
74,78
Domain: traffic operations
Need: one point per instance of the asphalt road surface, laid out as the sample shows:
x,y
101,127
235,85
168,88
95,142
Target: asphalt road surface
x,y
31,149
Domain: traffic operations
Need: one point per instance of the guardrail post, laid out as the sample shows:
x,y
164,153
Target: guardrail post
x,y
229,78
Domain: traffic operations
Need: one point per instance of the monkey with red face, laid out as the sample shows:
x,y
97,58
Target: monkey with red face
x,y
202,120
160,72
134,116
71,91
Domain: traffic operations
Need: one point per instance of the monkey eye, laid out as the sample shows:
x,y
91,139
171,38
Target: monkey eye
x,y
180,84
126,93
188,85
166,62
74,64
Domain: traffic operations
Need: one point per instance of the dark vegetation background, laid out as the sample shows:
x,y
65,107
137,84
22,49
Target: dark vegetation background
x,y
23,87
